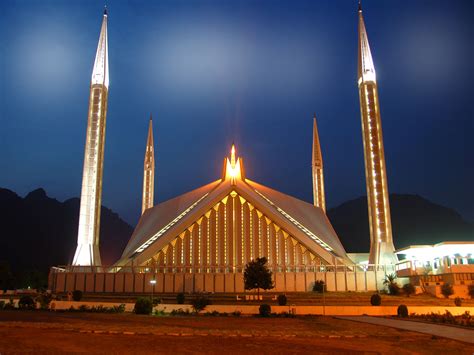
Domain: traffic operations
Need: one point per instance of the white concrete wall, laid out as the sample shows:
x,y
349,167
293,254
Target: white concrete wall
x,y
137,283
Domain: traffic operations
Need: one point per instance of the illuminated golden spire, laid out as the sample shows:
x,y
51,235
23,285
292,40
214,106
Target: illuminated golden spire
x,y
87,252
232,156
381,242
149,171
317,170
233,167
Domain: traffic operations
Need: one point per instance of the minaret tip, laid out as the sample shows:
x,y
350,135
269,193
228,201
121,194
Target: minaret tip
x,y
105,10
151,118
360,6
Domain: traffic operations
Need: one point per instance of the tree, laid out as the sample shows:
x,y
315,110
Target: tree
x,y
392,285
257,275
143,305
409,289
200,302
447,290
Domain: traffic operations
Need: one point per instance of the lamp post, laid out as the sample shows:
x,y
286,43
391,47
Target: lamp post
x,y
152,283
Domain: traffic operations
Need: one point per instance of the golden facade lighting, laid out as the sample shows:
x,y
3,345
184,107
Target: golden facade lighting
x,y
381,243
87,252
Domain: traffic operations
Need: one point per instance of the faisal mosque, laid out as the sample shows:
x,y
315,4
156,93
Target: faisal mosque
x,y
202,239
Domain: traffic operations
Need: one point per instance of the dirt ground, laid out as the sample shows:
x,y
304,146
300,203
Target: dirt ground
x,y
49,332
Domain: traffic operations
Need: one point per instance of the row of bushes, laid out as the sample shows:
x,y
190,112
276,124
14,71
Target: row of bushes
x,y
99,309
376,300
465,319
27,302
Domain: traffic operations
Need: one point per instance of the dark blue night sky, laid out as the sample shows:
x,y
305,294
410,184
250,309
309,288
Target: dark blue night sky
x,y
253,72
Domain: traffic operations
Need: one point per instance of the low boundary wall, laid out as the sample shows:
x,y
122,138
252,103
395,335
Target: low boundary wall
x,y
298,310
129,282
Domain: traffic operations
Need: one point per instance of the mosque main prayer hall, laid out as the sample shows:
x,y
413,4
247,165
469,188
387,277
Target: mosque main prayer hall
x,y
201,240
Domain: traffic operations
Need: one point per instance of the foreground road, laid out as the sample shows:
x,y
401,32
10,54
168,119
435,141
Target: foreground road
x,y
455,333
128,333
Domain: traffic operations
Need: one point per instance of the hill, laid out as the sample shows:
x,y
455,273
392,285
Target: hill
x,y
38,231
415,220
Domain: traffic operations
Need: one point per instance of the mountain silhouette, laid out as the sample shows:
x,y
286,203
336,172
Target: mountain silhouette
x,y
415,220
38,232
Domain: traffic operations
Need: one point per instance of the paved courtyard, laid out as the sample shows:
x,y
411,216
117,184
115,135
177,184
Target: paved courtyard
x,y
50,332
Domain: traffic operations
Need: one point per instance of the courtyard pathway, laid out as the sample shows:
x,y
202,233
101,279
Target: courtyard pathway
x,y
445,331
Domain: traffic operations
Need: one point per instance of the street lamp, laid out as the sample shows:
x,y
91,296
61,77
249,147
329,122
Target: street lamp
x,y
153,283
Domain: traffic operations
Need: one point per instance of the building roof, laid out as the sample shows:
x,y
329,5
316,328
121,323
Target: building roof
x,y
160,224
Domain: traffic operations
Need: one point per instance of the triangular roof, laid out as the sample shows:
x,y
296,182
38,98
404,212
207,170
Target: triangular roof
x,y
162,223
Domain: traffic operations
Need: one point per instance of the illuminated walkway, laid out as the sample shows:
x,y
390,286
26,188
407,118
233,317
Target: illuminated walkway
x,y
451,332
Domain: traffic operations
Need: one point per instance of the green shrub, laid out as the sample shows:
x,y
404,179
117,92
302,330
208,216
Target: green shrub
x,y
77,295
394,289
10,305
319,286
84,308
282,300
26,302
143,306
447,289
200,302
236,313
375,300
179,312
156,301
44,300
471,291
458,301
212,314
180,298
392,286
159,313
265,310
118,309
408,289
402,311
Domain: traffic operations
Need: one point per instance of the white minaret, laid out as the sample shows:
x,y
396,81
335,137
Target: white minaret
x,y
381,243
87,252
149,171
319,198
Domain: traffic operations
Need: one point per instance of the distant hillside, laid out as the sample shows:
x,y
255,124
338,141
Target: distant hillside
x,y
415,220
38,231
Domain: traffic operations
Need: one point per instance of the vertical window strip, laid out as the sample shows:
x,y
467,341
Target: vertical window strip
x,y
269,252
242,229
251,236
217,246
225,235
208,221
191,249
